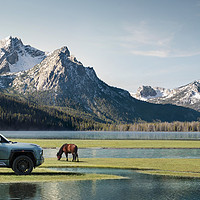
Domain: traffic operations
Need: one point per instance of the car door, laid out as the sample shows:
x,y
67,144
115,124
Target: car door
x,y
4,154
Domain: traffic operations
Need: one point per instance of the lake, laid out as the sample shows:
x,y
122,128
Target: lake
x,y
134,186
129,153
103,135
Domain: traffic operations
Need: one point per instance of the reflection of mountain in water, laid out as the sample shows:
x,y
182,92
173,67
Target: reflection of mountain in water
x,y
22,190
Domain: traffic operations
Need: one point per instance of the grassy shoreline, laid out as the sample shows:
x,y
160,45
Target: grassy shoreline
x,y
156,166
159,144
48,175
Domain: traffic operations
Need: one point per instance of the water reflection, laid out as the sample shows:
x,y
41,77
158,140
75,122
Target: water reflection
x,y
19,191
22,190
137,186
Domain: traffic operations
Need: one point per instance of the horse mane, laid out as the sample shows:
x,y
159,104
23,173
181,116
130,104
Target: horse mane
x,y
61,150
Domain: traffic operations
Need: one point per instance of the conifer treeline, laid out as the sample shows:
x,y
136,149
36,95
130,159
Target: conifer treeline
x,y
19,115
153,127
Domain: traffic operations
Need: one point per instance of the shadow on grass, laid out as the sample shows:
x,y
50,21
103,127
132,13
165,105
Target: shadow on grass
x,y
69,161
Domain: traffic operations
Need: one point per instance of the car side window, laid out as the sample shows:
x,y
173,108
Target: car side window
x,y
2,140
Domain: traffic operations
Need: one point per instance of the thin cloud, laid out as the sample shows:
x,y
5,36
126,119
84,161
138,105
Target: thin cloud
x,y
144,34
161,54
165,54
145,40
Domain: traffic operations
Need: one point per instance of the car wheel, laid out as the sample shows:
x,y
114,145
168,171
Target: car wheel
x,y
22,165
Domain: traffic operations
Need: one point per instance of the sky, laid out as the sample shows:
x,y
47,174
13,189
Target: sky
x,y
129,43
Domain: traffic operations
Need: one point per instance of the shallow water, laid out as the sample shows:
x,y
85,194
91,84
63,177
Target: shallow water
x,y
136,187
129,153
103,135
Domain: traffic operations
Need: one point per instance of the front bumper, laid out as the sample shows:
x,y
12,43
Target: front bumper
x,y
40,161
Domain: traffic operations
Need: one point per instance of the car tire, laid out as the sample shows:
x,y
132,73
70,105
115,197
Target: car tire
x,y
22,165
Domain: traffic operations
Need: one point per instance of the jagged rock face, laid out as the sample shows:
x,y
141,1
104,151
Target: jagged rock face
x,y
60,78
15,56
188,95
146,91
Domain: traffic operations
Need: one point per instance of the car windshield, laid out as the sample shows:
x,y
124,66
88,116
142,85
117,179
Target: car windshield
x,y
3,139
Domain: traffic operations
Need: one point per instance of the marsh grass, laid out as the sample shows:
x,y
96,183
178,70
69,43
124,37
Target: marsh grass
x,y
47,175
157,166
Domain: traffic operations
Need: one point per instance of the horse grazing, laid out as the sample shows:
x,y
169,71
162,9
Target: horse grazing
x,y
68,148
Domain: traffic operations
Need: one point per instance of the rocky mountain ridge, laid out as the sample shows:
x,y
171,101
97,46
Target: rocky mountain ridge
x,y
188,95
59,80
15,56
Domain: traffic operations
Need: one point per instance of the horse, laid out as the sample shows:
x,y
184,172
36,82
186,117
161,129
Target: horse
x,y
68,148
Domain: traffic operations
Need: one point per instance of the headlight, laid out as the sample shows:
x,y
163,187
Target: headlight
x,y
41,153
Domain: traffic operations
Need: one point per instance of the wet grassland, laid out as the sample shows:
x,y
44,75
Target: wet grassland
x,y
156,166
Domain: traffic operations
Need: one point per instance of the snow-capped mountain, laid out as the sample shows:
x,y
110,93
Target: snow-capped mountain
x,y
15,56
188,95
61,81
146,93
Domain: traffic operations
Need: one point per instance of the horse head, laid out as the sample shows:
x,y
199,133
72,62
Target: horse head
x,y
59,156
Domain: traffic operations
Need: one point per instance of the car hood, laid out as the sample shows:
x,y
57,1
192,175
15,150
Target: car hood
x,y
18,145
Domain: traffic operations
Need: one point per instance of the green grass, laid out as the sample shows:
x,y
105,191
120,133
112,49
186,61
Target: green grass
x,y
166,164
156,166
47,175
53,143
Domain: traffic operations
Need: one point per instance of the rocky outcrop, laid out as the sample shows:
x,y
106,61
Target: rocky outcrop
x,y
15,56
188,95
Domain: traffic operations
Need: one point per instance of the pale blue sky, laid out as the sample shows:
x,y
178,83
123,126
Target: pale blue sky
x,y
128,42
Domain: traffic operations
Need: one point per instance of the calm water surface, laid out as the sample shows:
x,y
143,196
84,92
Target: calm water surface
x,y
129,153
102,135
136,187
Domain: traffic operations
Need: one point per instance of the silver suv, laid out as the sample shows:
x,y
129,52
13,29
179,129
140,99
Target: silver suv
x,y
21,157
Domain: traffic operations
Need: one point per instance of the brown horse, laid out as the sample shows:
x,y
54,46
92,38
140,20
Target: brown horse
x,y
68,148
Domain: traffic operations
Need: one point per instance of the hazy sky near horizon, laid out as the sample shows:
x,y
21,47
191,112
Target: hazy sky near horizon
x,y
128,42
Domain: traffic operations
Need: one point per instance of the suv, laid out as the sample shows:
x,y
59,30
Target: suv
x,y
21,157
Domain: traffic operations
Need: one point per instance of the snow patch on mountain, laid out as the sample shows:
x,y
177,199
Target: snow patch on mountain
x,y
146,93
25,62
16,57
187,95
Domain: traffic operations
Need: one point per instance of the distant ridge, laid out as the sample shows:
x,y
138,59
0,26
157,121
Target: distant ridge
x,y
187,95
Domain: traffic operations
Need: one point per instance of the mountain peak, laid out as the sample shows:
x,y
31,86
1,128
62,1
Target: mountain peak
x,y
64,50
187,95
15,56
10,42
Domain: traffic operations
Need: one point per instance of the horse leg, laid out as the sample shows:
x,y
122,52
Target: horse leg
x,y
74,158
66,156
77,157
